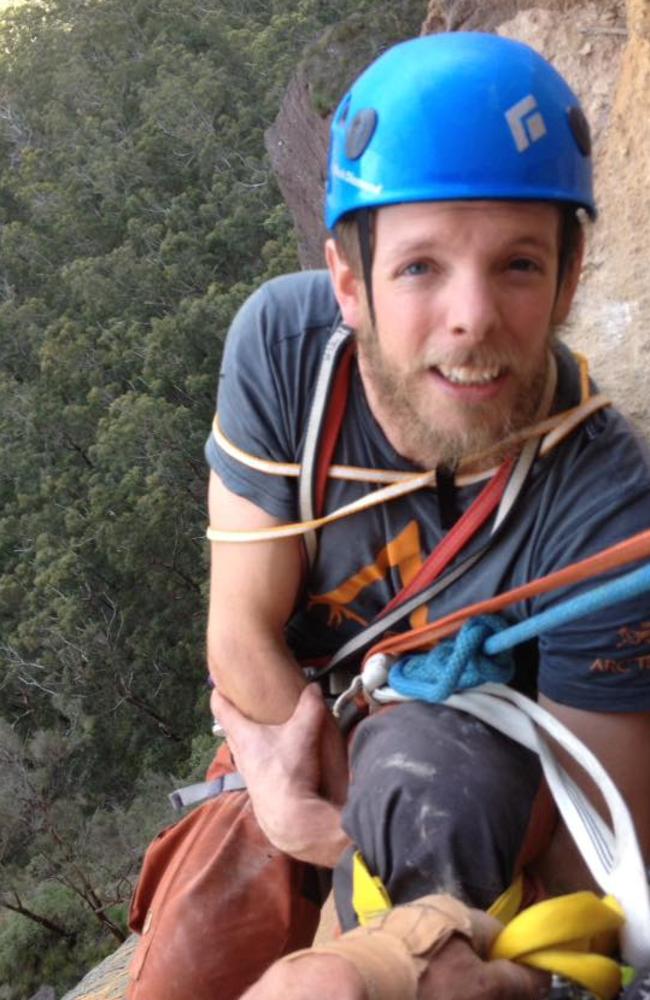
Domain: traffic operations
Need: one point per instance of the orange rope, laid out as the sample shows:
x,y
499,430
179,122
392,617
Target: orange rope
x,y
631,550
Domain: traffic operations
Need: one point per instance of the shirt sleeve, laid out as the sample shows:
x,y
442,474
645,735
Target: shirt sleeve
x,y
269,364
600,662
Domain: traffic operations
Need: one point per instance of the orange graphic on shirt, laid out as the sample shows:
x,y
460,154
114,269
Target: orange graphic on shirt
x,y
634,636
402,553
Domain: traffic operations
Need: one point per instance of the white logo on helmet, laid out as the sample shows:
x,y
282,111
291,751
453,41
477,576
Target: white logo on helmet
x,y
526,123
349,178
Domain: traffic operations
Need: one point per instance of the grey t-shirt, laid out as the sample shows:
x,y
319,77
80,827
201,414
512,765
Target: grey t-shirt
x,y
591,491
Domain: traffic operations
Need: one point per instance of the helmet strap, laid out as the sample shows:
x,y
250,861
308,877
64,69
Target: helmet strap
x,y
564,258
364,231
570,233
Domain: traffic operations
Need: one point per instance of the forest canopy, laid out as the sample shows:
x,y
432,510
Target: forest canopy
x,y
137,211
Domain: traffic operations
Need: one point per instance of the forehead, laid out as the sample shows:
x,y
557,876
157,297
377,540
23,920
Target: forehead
x,y
467,224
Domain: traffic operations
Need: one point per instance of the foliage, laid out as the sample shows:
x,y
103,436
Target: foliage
x,y
30,957
137,211
333,60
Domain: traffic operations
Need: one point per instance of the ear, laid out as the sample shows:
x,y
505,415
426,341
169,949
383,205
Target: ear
x,y
348,286
569,284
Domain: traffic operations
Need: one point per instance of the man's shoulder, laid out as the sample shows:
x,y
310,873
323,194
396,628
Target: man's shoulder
x,y
606,439
290,304
593,490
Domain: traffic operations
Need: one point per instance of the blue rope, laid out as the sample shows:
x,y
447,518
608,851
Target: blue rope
x,y
479,653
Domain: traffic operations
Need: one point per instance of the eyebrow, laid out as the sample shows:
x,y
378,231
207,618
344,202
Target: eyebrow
x,y
427,244
407,246
538,242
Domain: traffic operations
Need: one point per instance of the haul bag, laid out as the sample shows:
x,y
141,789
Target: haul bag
x,y
216,903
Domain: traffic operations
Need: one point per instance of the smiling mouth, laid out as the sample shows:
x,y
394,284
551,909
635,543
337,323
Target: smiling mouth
x,y
469,375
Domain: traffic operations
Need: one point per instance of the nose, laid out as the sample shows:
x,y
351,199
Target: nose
x,y
472,310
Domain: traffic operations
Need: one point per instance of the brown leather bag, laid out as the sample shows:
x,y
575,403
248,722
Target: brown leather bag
x,y
216,903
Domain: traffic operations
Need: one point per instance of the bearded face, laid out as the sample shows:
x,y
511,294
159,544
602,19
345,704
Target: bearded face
x,y
446,428
466,300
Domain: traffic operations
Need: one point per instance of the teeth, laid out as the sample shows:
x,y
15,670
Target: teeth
x,y
466,375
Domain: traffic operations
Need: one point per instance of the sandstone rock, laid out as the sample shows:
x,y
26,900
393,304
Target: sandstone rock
x,y
603,48
297,146
109,979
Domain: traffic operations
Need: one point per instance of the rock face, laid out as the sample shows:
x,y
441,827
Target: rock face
x,y
109,979
603,48
297,144
297,141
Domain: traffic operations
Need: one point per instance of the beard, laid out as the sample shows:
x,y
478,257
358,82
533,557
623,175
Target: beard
x,y
460,430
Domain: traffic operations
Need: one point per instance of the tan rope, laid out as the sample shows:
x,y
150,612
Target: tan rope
x,y
558,428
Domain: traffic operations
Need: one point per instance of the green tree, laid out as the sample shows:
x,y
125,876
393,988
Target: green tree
x,y
137,211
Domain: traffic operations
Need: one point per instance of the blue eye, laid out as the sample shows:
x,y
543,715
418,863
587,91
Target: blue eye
x,y
416,268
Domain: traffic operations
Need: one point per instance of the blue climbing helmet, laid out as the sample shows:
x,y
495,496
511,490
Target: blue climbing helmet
x,y
458,115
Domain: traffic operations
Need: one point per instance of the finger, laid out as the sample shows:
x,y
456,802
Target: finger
x,y
511,981
485,929
310,708
228,716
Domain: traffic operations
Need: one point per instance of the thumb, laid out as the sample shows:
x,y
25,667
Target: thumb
x,y
309,713
485,929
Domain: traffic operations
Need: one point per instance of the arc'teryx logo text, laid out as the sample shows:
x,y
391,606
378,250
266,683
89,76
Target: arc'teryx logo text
x,y
526,123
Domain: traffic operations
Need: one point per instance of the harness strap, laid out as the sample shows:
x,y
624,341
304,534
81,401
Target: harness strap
x,y
335,414
191,795
457,538
323,426
563,935
612,854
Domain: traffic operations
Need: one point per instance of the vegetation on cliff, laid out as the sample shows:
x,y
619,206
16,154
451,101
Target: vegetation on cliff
x,y
137,210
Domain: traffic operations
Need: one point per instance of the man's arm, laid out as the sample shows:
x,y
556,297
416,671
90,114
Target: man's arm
x,y
621,741
253,590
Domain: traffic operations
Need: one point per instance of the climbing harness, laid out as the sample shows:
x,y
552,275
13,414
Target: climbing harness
x,y
192,795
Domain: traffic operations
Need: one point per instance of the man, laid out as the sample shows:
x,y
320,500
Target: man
x,y
457,165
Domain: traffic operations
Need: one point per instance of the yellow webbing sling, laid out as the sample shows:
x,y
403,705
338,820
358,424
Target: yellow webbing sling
x,y
565,935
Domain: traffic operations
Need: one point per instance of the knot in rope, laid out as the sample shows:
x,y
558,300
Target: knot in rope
x,y
454,664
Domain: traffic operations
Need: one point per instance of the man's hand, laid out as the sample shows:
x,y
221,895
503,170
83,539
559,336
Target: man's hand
x,y
458,971
283,769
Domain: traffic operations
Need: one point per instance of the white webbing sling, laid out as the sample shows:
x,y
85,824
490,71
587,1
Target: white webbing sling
x,y
611,852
